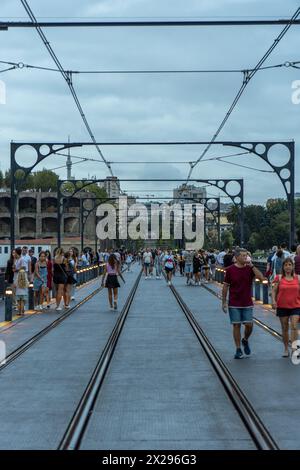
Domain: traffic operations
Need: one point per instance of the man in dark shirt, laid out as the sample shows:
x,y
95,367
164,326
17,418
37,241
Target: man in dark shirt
x,y
228,259
238,282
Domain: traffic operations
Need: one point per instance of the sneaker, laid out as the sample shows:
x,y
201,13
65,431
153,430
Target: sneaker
x,y
115,305
239,354
246,347
111,307
58,309
72,298
67,306
169,283
157,277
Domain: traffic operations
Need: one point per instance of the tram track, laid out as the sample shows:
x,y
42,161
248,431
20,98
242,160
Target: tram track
x,y
260,435
78,424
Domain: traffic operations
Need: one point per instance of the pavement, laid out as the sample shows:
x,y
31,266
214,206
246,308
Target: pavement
x,y
160,391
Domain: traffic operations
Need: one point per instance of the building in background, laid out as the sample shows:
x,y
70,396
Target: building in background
x,y
189,191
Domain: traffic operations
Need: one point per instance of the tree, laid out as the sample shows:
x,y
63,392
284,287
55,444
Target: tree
x,y
227,239
45,180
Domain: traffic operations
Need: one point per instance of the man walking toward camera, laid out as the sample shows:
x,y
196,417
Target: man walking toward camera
x,y
238,282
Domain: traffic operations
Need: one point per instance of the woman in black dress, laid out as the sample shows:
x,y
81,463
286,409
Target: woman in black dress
x,y
110,280
59,277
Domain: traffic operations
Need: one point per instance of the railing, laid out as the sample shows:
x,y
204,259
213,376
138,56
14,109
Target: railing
x,y
83,275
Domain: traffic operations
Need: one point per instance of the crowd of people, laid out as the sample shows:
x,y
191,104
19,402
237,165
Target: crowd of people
x,y
53,276
56,277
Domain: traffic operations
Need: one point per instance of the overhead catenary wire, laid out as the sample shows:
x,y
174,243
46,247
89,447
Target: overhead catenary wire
x,y
247,77
22,65
67,77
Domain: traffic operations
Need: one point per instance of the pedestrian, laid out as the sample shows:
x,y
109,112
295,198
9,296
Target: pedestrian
x,y
297,260
19,263
277,264
21,291
49,277
9,277
220,257
197,265
27,261
40,280
228,258
188,256
147,261
128,261
238,282
169,266
286,301
158,263
110,280
212,264
181,264
73,268
204,265
59,277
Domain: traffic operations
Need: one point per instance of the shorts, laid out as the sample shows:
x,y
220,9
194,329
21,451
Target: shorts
x,y
21,297
240,314
287,312
188,268
169,270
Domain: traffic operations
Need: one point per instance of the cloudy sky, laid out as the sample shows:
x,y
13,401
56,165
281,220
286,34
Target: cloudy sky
x,y
122,107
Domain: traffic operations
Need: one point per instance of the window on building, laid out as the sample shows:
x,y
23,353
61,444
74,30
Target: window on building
x,y
6,250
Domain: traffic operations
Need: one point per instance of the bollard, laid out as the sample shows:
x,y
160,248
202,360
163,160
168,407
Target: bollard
x,y
257,289
8,304
217,276
265,287
30,297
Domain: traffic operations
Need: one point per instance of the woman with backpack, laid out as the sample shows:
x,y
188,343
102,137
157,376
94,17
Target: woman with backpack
x,y
286,301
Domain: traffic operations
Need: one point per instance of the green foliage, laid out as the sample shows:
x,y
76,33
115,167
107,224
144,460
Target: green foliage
x,y
265,226
227,239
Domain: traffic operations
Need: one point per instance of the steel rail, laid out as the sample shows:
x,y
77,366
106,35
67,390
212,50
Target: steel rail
x,y
259,433
79,422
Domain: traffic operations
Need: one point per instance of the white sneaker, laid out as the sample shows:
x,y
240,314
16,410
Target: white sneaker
x,y
67,306
72,298
169,283
157,277
58,309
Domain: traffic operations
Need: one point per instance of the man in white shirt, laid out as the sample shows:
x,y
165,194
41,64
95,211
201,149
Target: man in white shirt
x,y
147,260
220,257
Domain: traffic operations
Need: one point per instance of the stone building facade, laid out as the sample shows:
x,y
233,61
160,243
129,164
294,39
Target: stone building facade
x,y
36,216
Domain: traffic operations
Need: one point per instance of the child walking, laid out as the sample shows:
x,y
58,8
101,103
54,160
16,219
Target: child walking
x,y
21,291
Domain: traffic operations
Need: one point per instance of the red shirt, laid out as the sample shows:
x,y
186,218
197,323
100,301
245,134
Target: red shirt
x,y
288,293
240,285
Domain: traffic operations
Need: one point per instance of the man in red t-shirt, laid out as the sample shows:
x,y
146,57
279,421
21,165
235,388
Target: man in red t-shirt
x,y
238,281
